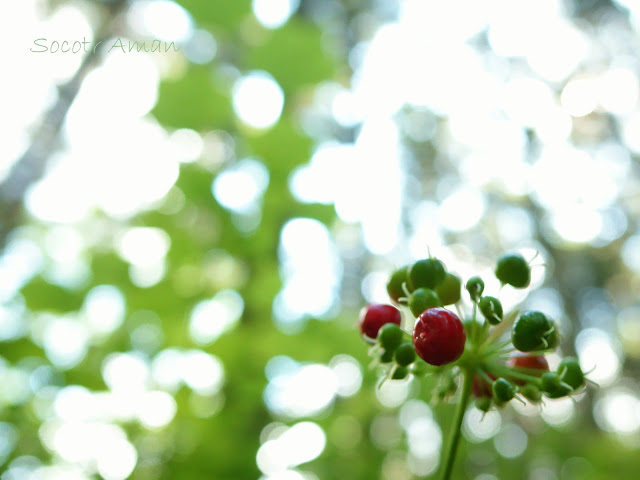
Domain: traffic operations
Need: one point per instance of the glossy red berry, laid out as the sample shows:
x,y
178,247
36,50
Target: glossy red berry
x,y
439,336
373,317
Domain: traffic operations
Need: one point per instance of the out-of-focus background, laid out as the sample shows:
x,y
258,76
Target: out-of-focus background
x,y
188,233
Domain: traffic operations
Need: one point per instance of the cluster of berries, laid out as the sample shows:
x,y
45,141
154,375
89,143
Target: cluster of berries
x,y
501,368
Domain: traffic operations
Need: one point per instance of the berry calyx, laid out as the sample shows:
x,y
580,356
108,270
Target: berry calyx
x,y
439,336
421,299
449,289
405,354
533,331
427,273
373,317
513,269
475,287
491,308
390,337
394,285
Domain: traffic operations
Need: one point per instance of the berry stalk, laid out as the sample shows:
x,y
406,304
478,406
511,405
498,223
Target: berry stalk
x,y
449,454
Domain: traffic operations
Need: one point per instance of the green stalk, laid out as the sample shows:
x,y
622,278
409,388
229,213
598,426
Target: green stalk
x,y
449,453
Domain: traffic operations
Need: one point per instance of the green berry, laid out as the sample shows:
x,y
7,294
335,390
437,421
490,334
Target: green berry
x,y
420,368
475,287
399,373
531,393
390,336
449,289
553,387
531,331
503,390
491,308
387,356
428,273
514,270
405,354
570,372
394,285
422,299
483,404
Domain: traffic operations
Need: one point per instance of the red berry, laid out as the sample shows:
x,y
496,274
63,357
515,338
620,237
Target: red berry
x,y
439,336
537,362
373,317
532,362
481,388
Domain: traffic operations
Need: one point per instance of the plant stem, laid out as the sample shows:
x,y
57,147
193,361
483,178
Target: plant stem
x,y
450,453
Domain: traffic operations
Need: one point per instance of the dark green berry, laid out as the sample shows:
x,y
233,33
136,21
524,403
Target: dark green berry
x,y
394,285
531,331
491,308
399,373
483,404
570,372
405,354
390,336
387,356
531,393
553,387
422,299
449,289
427,273
475,287
514,270
503,390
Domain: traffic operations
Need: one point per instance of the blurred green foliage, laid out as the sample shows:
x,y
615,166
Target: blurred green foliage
x,y
223,446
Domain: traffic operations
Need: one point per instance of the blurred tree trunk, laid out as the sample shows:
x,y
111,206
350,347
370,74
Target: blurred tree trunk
x,y
32,164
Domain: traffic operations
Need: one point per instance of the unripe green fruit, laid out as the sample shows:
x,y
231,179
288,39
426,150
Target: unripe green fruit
x,y
531,331
405,354
531,393
427,273
387,356
514,270
475,287
503,390
483,404
390,337
419,368
400,373
422,299
553,387
394,285
570,372
449,289
491,308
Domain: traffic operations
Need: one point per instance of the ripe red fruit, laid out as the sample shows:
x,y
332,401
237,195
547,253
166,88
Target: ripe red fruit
x,y
481,388
373,317
532,362
439,336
